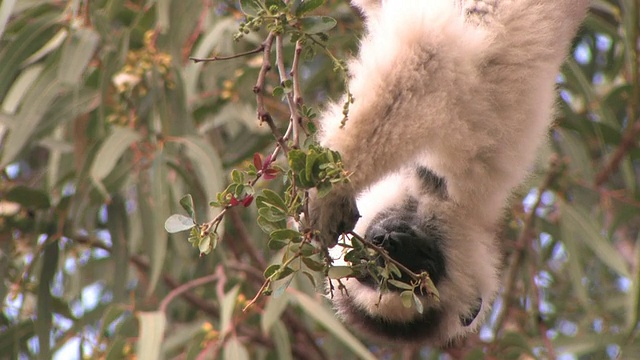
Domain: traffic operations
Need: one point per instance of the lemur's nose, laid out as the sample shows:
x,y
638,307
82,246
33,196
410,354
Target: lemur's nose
x,y
416,250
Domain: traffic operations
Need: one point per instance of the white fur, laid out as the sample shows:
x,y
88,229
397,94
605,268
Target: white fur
x,y
465,88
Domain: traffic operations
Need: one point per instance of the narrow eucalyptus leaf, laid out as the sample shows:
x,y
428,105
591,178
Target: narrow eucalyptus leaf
x,y
152,325
272,312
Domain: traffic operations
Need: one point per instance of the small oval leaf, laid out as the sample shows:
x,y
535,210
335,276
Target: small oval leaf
x,y
339,272
176,223
317,24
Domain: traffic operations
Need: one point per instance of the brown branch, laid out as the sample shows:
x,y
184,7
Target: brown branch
x,y
247,246
184,288
523,243
300,350
535,309
295,118
297,92
258,89
629,141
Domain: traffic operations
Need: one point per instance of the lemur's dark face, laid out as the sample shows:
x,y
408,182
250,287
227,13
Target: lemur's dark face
x,y
414,231
411,237
415,243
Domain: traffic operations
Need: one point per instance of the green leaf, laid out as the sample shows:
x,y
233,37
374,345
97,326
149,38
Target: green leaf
x,y
277,3
204,246
163,15
327,320
285,234
312,157
339,272
317,24
400,284
272,269
159,201
278,92
227,306
27,41
20,87
273,311
281,287
584,227
28,197
235,350
313,264
250,7
40,96
208,165
112,313
76,54
269,226
407,298
5,13
297,160
152,325
272,214
284,272
110,151
276,244
417,303
308,6
280,336
53,44
176,223
187,204
516,341
44,300
274,199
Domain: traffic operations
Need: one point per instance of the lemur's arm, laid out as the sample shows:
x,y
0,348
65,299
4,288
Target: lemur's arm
x,y
473,99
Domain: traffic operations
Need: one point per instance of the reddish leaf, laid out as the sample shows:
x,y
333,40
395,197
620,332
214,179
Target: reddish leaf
x,y
257,161
247,201
269,174
233,201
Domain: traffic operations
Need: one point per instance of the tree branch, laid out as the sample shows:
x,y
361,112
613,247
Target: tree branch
x,y
629,141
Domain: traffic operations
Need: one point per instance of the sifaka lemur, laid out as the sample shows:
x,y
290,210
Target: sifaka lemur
x,y
452,99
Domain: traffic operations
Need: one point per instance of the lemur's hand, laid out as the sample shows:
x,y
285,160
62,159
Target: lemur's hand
x,y
332,215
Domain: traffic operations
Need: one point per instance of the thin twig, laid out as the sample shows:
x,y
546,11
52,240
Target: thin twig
x,y
230,57
385,255
629,141
297,92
